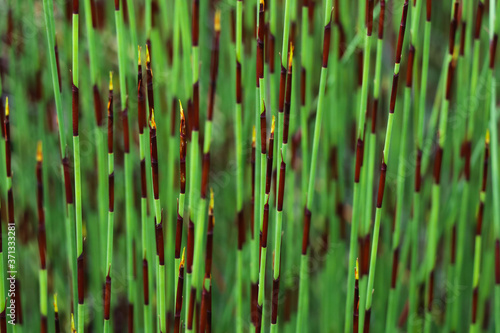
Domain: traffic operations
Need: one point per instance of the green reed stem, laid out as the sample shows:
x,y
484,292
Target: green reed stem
x,y
418,173
304,274
383,170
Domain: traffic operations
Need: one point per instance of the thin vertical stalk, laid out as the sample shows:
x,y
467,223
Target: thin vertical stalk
x,y
178,297
155,180
363,238
160,250
433,228
111,209
194,135
418,172
54,69
281,193
466,154
264,210
182,191
57,87
42,242
146,257
474,327
393,292
383,170
494,31
238,123
207,280
101,162
254,278
304,272
305,45
282,134
400,191
78,178
10,203
200,224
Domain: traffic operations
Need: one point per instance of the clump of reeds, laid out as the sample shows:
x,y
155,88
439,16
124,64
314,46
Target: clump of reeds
x,y
256,147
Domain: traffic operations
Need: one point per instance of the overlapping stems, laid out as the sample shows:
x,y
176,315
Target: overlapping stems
x,y
206,298
146,257
383,170
156,194
364,235
400,204
461,228
474,327
417,196
200,224
433,229
193,158
281,189
304,273
77,170
42,242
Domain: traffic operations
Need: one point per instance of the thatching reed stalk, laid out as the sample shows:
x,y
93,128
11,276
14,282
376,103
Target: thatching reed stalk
x,y
160,250
238,124
57,88
417,196
355,310
129,204
3,319
306,41
189,267
42,241
281,148
364,237
10,204
156,190
304,272
202,203
494,31
400,195
111,210
364,232
77,171
270,59
264,211
259,181
474,326
205,312
182,191
433,228
146,257
281,189
383,170
254,227
57,324
194,125
466,154
99,137
400,191
178,295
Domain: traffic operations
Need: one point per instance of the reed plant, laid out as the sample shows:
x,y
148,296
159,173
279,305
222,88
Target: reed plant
x,y
307,145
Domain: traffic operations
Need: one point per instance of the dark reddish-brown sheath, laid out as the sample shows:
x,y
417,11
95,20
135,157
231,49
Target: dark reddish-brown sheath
x,y
178,297
111,176
355,311
41,223
57,324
